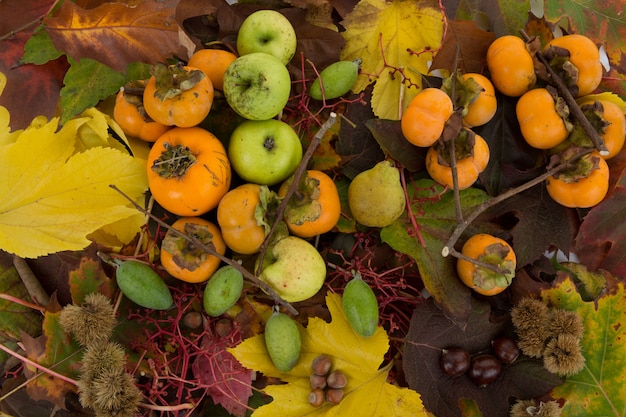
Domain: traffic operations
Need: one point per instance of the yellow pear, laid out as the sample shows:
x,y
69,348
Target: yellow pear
x,y
375,196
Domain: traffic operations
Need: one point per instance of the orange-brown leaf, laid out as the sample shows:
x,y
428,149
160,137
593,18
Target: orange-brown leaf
x,y
117,35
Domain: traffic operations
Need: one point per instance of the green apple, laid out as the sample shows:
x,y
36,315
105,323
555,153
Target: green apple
x,y
257,86
294,269
264,152
267,31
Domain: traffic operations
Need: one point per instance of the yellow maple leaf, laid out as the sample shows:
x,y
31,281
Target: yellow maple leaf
x,y
367,393
396,41
54,196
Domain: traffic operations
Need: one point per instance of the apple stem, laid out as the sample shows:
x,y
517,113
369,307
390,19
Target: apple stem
x,y
280,212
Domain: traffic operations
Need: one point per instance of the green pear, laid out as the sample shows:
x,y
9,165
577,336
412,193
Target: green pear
x,y
376,197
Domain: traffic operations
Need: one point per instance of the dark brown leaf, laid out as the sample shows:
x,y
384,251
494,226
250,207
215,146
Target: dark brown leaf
x,y
472,43
431,331
389,136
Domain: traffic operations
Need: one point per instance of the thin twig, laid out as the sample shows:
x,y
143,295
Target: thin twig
x,y
460,228
574,108
294,185
30,281
210,250
453,161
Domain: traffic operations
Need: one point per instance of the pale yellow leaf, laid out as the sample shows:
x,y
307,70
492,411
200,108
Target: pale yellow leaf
x,y
52,198
367,394
95,131
396,41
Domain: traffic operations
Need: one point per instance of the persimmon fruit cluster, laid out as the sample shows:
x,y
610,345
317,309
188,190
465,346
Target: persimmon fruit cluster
x,y
464,101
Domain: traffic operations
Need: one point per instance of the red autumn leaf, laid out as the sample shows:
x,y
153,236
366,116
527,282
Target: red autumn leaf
x,y
25,15
31,90
117,35
227,382
600,243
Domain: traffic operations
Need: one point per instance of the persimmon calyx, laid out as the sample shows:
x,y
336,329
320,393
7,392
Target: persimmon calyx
x,y
463,92
185,254
487,278
561,107
594,113
304,205
173,80
579,169
265,211
174,162
463,147
559,60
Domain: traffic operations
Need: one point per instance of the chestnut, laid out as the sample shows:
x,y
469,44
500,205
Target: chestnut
x,y
484,369
454,361
505,349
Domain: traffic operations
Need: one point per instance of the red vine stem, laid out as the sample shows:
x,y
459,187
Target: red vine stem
x,y
409,210
19,301
37,366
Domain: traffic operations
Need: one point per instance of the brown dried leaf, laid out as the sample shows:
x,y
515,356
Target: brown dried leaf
x,y
117,35
472,42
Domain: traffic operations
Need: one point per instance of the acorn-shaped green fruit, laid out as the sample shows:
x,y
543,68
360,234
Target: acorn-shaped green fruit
x,y
337,79
360,307
222,291
283,341
143,286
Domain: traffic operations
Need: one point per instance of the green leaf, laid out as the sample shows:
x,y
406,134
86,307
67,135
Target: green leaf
x,y
39,49
600,388
86,83
435,215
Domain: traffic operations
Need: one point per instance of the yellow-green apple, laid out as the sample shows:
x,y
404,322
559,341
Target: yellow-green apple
x,y
257,86
267,31
264,152
294,269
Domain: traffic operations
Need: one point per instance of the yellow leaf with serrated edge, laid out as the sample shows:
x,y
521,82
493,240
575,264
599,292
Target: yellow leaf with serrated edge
x,y
367,393
52,197
396,41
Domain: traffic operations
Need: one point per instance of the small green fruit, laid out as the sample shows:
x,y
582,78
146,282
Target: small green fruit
x,y
143,286
222,291
337,78
360,307
376,197
283,341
